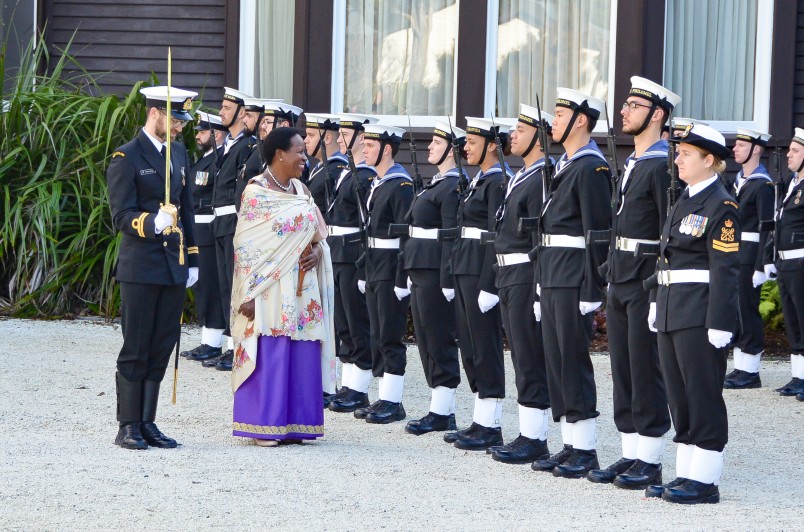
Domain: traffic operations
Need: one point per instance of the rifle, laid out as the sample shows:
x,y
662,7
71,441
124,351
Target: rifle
x,y
322,146
672,191
615,170
778,194
417,177
548,170
500,155
463,184
360,236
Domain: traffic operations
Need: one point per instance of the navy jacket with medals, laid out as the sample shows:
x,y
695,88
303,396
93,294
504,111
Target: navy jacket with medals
x,y
789,232
136,183
202,183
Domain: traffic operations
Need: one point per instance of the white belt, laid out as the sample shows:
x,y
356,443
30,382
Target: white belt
x,y
472,232
204,218
749,237
383,243
791,254
630,244
668,277
337,230
421,232
509,259
228,209
563,241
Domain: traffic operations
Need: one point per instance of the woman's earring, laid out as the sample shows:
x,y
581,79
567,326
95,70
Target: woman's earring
x,y
281,159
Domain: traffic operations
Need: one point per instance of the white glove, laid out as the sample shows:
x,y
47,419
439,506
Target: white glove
x,y
487,301
361,285
770,271
192,276
449,293
410,283
652,317
719,338
537,310
586,307
162,220
401,293
758,278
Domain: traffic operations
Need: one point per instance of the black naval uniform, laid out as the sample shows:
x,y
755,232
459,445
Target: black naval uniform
x,y
755,195
152,280
577,203
207,294
479,333
253,167
640,401
701,233
388,203
427,262
317,184
351,314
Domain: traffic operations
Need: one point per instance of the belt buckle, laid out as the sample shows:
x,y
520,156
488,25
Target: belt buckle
x,y
664,277
500,259
622,243
545,240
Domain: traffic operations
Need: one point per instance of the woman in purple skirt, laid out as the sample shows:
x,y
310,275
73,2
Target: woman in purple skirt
x,y
281,303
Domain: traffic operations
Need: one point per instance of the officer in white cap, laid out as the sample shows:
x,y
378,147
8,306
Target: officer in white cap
x,y
754,191
640,209
321,181
347,216
789,249
696,293
571,285
385,285
157,261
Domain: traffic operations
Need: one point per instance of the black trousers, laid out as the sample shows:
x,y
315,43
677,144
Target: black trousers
x,y
224,253
791,290
640,401
388,318
751,339
693,372
434,324
527,350
207,294
480,340
567,336
150,315
351,317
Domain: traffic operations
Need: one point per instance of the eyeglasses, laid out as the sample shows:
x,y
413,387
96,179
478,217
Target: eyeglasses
x,y
632,106
175,122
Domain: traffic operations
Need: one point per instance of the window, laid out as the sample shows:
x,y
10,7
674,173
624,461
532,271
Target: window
x,y
718,59
393,59
266,48
535,46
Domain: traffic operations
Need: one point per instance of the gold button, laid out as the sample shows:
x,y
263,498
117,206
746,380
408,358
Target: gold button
x,y
164,244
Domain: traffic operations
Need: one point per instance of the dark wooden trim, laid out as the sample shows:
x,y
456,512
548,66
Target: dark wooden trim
x,y
471,69
312,53
231,73
301,44
783,69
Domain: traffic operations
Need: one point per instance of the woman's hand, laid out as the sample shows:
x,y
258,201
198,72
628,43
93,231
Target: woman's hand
x,y
247,310
311,260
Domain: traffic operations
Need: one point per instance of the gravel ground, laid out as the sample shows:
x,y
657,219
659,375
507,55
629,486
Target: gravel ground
x,y
60,470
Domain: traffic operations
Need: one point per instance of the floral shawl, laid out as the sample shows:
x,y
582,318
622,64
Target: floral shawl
x,y
272,231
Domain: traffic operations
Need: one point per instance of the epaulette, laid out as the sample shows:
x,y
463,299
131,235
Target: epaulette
x,y
118,154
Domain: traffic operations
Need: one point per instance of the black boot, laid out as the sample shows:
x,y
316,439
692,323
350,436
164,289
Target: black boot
x,y
639,476
732,374
692,492
481,439
792,388
212,362
578,465
432,422
450,437
152,434
522,450
742,381
226,361
548,464
363,411
203,352
386,412
656,491
350,401
129,414
800,396
606,476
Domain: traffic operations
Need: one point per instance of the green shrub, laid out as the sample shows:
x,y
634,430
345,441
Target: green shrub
x,y
770,307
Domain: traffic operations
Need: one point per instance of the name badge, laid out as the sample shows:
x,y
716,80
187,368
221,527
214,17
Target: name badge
x,y
693,224
201,178
147,171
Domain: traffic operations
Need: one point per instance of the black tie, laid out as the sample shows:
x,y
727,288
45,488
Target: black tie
x,y
163,152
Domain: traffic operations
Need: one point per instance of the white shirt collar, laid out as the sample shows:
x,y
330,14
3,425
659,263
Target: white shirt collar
x,y
158,145
698,187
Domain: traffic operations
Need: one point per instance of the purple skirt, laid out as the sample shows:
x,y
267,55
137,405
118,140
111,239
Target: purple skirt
x,y
283,398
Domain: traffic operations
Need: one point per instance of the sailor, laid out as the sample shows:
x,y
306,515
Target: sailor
x,y
322,129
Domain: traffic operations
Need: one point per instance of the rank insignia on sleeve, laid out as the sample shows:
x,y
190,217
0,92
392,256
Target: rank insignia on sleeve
x,y
728,202
693,224
727,231
118,154
726,247
406,184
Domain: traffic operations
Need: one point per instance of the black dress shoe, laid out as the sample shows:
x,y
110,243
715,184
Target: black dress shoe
x,y
203,352
349,401
129,437
639,476
550,463
386,412
792,388
578,465
363,411
225,361
450,437
342,392
657,490
212,362
607,476
692,492
732,374
743,381
432,422
522,450
481,439
328,397
800,397
154,437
